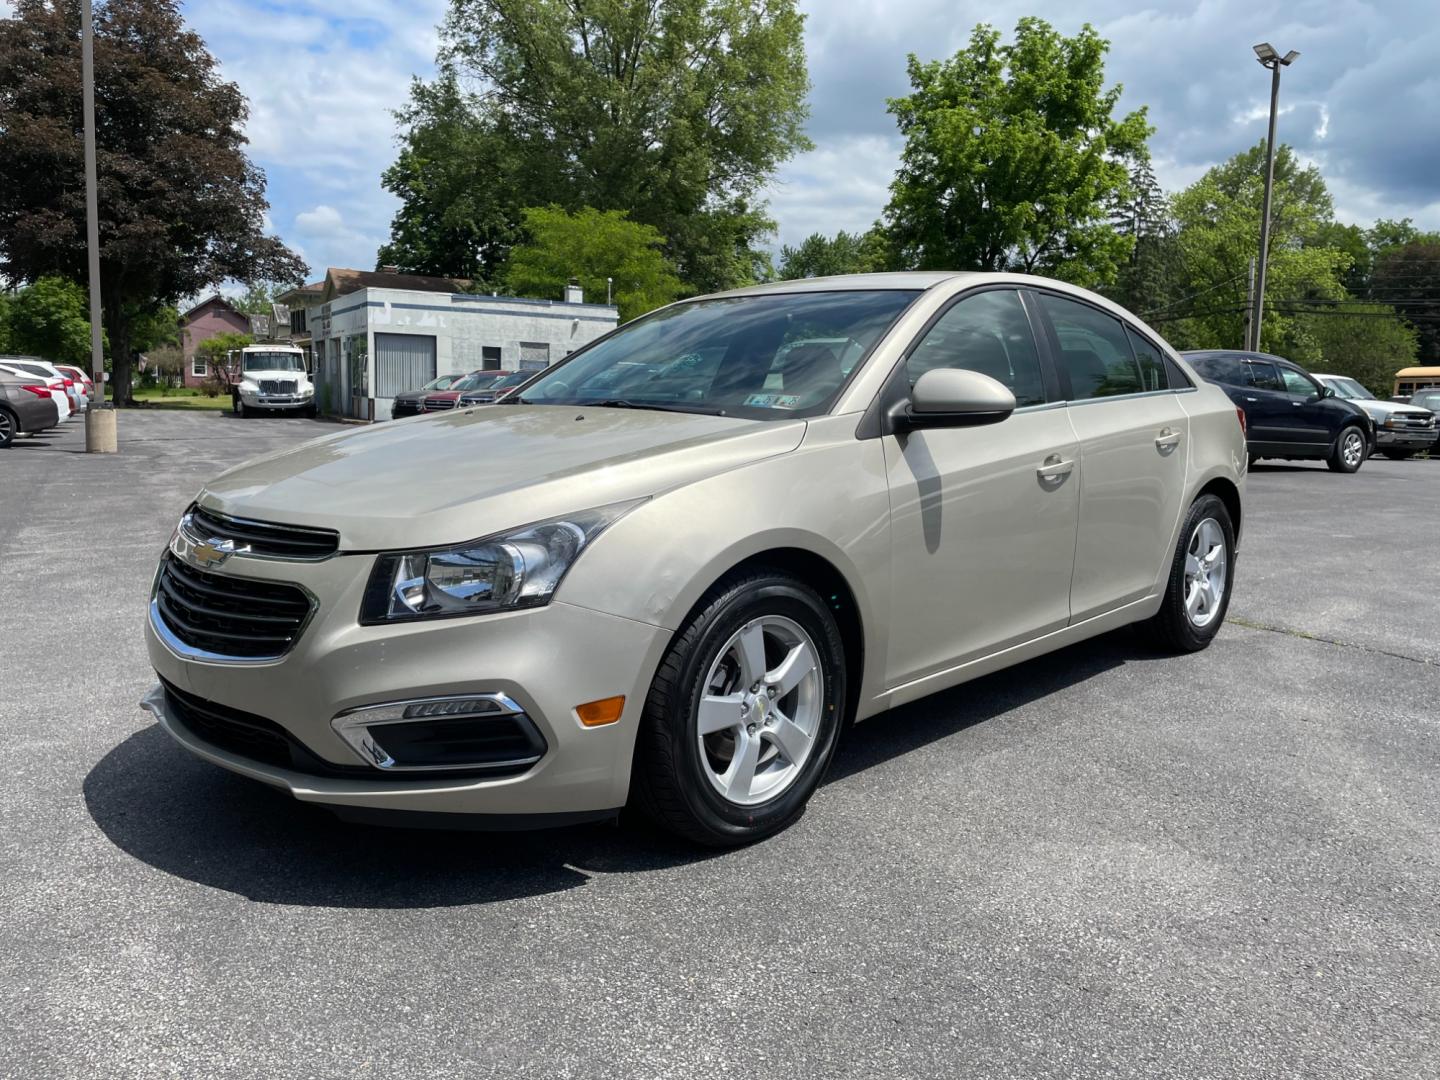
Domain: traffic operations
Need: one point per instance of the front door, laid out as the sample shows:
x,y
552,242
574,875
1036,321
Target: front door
x,y
982,519
1133,436
1270,419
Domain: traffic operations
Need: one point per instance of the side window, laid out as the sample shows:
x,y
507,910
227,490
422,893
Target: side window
x,y
1296,383
989,333
1152,365
1094,349
1263,375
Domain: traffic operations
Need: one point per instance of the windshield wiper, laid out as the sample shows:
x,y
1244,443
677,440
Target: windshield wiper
x,y
624,403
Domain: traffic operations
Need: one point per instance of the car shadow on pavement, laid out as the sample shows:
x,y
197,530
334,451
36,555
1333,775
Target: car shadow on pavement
x,y
198,822
920,723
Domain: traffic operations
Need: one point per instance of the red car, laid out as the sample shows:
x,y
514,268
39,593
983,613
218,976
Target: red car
x,y
446,399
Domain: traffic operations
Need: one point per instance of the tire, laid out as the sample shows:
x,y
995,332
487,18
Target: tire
x,y
1175,625
9,427
679,773
239,407
1398,455
1350,450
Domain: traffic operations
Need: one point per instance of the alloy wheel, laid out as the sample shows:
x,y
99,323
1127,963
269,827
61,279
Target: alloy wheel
x,y
1206,566
7,429
760,710
1353,449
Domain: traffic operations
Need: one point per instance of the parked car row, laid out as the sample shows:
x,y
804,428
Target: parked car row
x,y
449,391
1294,415
36,394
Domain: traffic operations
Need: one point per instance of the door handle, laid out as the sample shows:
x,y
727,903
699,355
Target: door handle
x,y
1054,470
1252,399
1297,404
1167,440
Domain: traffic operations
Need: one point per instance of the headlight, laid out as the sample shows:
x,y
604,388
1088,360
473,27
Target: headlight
x,y
248,387
307,390
514,570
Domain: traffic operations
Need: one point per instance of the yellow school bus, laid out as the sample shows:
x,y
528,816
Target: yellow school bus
x,y
1410,379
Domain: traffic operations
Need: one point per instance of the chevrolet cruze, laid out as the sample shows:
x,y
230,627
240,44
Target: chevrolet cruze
x,y
673,569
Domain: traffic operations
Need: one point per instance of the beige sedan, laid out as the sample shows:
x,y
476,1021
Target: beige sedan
x,y
675,567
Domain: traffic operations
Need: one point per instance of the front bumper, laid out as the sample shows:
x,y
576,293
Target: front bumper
x,y
548,660
1406,439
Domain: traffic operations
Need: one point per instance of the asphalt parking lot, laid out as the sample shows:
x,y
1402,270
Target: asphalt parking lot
x,y
1102,863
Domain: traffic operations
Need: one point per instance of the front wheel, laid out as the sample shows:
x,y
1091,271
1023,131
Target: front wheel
x,y
1350,451
1201,577
744,714
9,425
239,407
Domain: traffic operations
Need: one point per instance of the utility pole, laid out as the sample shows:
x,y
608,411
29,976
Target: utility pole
x,y
99,417
1249,305
1271,59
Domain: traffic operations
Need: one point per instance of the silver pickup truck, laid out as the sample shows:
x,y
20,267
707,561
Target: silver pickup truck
x,y
1400,429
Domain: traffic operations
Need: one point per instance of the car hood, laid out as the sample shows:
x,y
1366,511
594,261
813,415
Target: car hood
x,y
276,373
443,479
1383,409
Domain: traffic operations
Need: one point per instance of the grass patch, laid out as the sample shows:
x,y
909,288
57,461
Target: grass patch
x,y
179,398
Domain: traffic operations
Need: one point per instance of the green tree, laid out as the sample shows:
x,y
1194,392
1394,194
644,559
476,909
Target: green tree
x,y
1368,342
819,255
1407,275
455,178
221,353
1218,226
1013,158
51,319
590,246
677,112
181,206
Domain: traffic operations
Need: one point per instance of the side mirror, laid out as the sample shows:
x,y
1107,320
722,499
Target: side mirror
x,y
1327,391
954,397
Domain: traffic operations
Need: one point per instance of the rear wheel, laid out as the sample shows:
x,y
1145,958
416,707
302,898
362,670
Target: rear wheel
x,y
9,427
1201,577
1350,451
744,713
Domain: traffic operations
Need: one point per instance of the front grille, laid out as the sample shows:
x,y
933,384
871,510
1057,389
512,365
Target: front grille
x,y
438,404
232,617
278,386
263,537
1414,421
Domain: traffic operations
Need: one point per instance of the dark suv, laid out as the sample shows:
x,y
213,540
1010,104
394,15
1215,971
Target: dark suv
x,y
1288,414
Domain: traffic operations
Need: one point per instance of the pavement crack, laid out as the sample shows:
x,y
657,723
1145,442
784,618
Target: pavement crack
x,y
1305,635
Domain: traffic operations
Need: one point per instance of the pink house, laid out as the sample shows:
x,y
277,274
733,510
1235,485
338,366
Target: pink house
x,y
206,319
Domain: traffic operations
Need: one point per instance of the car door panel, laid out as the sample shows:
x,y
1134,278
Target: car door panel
x,y
1133,454
983,544
982,518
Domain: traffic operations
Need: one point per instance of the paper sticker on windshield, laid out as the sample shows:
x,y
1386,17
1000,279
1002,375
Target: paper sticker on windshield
x,y
772,401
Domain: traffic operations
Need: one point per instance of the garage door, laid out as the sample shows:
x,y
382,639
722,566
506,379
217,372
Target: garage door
x,y
403,362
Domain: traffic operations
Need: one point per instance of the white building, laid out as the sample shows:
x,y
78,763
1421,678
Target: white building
x,y
378,334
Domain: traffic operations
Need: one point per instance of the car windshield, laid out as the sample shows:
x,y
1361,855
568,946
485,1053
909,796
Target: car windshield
x,y
273,361
767,357
1349,389
1429,401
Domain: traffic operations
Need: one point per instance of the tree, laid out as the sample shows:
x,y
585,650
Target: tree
x,y
1365,341
677,112
1151,278
844,253
1408,276
590,246
221,353
455,178
181,206
50,319
1012,158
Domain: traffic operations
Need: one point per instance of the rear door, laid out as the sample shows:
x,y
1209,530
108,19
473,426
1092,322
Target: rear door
x,y
1268,416
1133,437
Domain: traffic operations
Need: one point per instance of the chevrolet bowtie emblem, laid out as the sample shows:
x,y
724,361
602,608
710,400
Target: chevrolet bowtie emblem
x,y
211,552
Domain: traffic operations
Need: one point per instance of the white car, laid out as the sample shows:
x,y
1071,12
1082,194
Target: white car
x,y
74,391
1401,429
273,377
27,369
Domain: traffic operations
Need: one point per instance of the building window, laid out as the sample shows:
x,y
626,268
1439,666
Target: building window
x,y
534,355
198,367
490,358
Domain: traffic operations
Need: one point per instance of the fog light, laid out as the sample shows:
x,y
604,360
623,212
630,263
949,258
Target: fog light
x,y
602,712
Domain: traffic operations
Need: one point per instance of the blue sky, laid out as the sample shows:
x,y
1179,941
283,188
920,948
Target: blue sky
x,y
323,80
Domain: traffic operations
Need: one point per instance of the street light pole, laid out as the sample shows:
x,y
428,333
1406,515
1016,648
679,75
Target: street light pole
x,y
1274,61
99,419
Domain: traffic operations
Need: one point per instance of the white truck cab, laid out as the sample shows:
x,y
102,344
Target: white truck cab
x,y
272,377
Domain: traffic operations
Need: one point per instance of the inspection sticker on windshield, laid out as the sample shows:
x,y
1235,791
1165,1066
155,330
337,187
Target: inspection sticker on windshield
x,y
772,401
